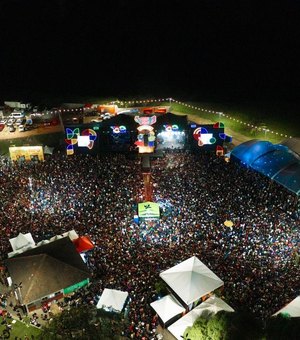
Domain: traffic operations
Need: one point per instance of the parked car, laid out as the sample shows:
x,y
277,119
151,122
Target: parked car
x,y
20,121
10,122
22,127
12,128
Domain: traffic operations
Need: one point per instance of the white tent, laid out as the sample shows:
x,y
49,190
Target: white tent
x,y
21,241
208,308
167,307
293,308
112,300
48,150
191,279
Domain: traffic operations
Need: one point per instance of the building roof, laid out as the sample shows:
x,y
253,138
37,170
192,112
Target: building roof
x,y
42,275
62,250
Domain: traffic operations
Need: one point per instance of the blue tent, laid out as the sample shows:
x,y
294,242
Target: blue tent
x,y
272,160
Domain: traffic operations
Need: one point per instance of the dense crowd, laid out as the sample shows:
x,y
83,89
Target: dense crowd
x,y
98,196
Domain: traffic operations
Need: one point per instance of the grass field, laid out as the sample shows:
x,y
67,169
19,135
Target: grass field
x,y
20,330
282,119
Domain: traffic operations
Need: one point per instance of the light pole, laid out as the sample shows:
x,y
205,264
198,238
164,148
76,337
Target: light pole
x,y
19,292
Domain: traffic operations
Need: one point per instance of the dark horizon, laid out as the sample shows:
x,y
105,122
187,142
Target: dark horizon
x,y
215,51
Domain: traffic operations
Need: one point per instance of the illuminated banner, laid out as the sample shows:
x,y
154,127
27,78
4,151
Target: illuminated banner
x,y
84,139
148,210
26,153
145,120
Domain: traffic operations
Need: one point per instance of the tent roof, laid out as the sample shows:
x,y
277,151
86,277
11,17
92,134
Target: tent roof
x,y
272,160
112,299
62,249
208,308
42,275
191,279
293,308
83,243
22,241
167,307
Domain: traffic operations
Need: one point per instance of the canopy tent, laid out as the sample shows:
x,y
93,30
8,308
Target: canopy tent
x,y
292,309
112,300
83,243
191,279
22,241
148,210
207,308
275,161
48,150
167,308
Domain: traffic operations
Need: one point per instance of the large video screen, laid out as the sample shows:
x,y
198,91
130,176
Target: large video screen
x,y
80,139
209,137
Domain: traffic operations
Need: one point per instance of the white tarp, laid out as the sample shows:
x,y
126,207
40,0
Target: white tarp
x,y
293,308
22,241
208,308
112,300
191,279
167,307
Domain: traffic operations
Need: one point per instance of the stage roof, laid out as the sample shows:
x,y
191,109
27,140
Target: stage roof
x,y
275,161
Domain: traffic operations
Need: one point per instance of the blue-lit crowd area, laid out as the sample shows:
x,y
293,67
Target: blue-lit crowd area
x,y
257,258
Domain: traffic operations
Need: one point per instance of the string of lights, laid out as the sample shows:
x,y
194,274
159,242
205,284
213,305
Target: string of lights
x,y
170,100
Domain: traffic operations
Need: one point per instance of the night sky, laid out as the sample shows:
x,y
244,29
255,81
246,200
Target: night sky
x,y
206,50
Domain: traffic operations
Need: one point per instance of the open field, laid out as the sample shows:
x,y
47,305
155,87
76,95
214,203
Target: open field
x,y
20,329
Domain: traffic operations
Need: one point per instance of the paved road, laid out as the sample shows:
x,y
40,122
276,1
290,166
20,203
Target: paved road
x,y
5,134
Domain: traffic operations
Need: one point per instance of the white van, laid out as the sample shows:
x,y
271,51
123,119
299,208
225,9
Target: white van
x,y
16,115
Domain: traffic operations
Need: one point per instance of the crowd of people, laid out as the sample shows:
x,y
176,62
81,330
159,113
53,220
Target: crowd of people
x,y
98,196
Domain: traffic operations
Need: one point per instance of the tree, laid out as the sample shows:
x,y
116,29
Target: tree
x,y
283,327
81,323
225,326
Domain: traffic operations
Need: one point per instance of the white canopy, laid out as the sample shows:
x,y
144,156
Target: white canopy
x,y
22,241
293,308
48,150
208,308
112,300
167,307
191,279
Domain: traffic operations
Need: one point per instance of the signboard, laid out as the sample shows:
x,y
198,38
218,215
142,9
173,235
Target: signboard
x,y
78,285
26,153
148,210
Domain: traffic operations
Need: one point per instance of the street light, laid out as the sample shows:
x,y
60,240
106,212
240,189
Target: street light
x,y
19,292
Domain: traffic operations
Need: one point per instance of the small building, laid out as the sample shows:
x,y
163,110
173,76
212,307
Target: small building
x,y
47,272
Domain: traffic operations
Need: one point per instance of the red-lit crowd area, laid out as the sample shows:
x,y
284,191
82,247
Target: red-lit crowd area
x,y
98,196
